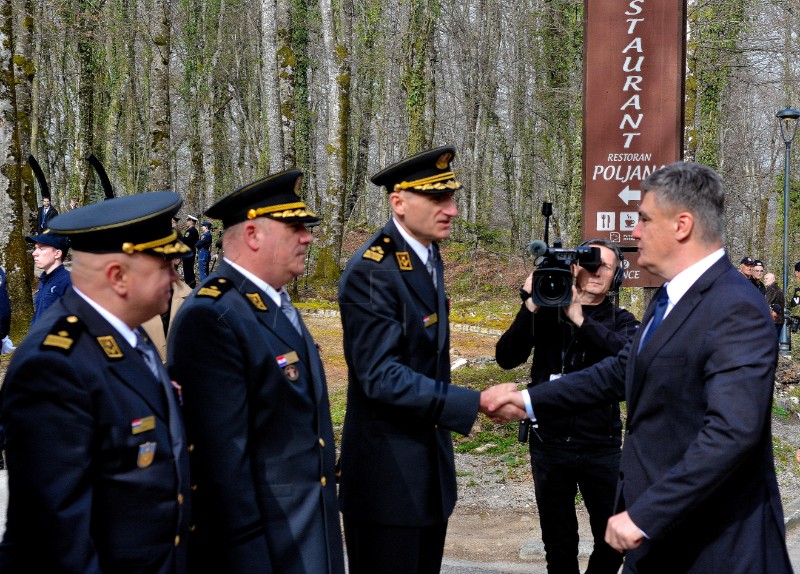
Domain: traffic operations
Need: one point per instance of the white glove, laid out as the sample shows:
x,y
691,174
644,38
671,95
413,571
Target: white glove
x,y
8,346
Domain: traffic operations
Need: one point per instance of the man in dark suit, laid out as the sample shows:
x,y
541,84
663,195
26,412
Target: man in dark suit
x,y
255,397
398,484
190,237
697,479
44,214
98,468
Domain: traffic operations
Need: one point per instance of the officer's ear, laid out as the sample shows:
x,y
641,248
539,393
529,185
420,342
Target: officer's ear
x,y
398,203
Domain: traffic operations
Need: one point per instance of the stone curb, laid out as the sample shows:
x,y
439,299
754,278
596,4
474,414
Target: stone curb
x,y
791,514
463,327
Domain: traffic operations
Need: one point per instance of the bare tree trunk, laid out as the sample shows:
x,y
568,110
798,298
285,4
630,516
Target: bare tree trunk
x,y
160,152
14,255
272,99
335,32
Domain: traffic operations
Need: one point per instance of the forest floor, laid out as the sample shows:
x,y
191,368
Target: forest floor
x,y
495,519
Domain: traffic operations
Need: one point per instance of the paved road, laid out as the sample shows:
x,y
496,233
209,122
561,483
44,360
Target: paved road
x,y
535,566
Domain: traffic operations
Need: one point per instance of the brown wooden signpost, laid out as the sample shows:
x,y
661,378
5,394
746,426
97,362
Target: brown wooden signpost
x,y
634,61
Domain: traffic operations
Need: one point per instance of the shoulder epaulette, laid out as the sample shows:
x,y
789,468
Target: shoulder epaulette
x,y
380,248
63,335
215,287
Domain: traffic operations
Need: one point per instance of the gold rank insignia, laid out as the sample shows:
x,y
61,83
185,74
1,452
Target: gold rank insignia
x,y
256,300
214,288
431,319
110,347
63,334
404,261
147,452
60,340
212,291
375,253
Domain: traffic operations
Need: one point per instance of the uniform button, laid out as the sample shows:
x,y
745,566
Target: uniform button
x,y
193,487
193,527
322,443
177,540
190,448
180,498
323,481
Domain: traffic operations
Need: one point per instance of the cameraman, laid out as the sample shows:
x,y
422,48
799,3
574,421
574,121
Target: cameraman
x,y
580,451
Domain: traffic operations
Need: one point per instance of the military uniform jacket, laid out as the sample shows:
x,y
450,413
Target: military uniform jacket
x,y
51,287
98,469
397,462
258,419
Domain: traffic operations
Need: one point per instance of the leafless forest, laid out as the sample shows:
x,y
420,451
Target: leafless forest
x,y
201,96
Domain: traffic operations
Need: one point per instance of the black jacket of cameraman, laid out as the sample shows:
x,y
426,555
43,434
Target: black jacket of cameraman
x,y
558,343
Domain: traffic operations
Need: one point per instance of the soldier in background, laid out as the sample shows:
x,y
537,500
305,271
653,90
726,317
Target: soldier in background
x,y
190,237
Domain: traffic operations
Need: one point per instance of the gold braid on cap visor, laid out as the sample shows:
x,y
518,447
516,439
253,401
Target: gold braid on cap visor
x,y
297,209
439,182
159,246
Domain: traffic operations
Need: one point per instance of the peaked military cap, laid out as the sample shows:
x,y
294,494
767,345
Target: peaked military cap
x,y
276,196
425,172
52,239
138,223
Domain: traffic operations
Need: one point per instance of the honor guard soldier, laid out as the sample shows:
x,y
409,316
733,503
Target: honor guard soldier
x,y
190,238
98,470
49,252
398,481
255,397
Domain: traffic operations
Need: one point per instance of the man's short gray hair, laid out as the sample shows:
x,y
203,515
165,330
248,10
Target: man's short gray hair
x,y
694,188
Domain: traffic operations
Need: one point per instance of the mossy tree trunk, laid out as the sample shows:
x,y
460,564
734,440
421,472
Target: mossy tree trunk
x,y
336,34
160,150
13,253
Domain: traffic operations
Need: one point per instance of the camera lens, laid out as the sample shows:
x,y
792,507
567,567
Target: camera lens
x,y
552,288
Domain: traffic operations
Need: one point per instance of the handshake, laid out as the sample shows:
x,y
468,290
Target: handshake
x,y
503,403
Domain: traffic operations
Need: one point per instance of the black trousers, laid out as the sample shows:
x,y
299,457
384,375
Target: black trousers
x,y
188,272
388,549
558,472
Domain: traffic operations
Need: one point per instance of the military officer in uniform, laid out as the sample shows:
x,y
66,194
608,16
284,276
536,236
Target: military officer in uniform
x,y
190,238
255,397
398,483
98,469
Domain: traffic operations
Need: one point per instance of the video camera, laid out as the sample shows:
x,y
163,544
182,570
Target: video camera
x,y
552,279
792,323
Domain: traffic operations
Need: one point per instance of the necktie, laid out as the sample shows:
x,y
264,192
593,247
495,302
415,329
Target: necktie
x,y
658,315
148,353
431,267
289,310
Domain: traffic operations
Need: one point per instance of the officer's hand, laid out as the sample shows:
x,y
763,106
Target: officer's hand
x,y
622,534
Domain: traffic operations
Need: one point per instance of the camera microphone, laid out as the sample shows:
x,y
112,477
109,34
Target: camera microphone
x,y
537,248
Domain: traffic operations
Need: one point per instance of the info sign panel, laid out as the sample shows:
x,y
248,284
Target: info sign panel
x,y
634,59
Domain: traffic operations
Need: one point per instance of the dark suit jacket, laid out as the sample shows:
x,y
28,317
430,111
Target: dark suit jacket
x,y
697,474
91,448
397,453
42,220
258,417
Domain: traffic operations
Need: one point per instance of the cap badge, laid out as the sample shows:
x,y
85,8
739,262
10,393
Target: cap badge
x,y
444,160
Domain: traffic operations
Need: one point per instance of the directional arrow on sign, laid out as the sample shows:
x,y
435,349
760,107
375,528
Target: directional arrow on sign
x,y
629,194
